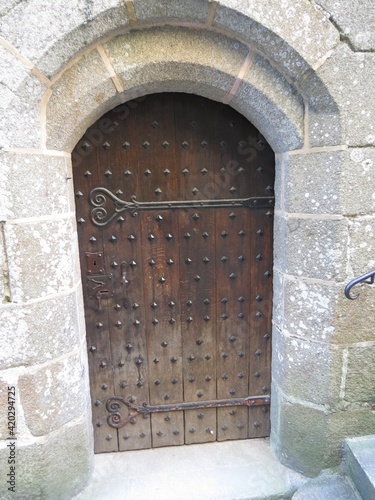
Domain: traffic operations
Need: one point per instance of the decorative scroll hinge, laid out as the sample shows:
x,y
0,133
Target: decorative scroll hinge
x,y
116,420
100,195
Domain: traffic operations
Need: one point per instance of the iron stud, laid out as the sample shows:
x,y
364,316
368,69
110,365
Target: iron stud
x,y
128,347
240,354
151,262
166,397
104,387
224,355
232,392
258,298
208,378
159,433
260,232
154,124
120,219
167,418
232,215
156,361
92,348
200,415
172,321
206,302
189,319
81,220
108,173
168,237
204,144
113,238
126,436
158,191
204,171
196,216
147,172
207,357
162,280
176,432
121,363
146,145
199,342
135,305
258,353
189,303
127,173
99,424
155,321
185,144
192,430
267,336
79,194
185,172
138,361
174,381
224,234
164,344
225,377
118,324
257,375
136,322
223,171
188,261
109,437
195,190
206,260
205,235
224,300
166,172
256,424
232,338
224,427
207,318
197,278
240,375
232,189
199,394
157,382
103,364
241,258
191,379
259,257
123,385
87,173
142,435
264,389
171,303
241,315
191,357
187,236
240,425
224,316
159,218
174,359
267,274
241,170
241,233
232,412
99,325
165,144
154,305
241,299
133,263
97,402
131,237
92,239
233,276
258,314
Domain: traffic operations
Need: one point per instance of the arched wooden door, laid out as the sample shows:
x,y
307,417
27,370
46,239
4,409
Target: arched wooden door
x,y
174,208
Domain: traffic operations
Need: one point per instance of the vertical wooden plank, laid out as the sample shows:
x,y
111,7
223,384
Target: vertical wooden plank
x,y
162,322
197,295
233,284
261,311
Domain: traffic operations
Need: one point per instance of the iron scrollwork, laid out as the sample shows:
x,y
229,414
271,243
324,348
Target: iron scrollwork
x,y
368,278
116,420
99,197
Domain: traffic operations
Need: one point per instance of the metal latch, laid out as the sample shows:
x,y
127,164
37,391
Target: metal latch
x,y
100,286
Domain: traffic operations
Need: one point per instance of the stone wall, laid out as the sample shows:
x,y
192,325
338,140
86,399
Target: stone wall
x,y
301,71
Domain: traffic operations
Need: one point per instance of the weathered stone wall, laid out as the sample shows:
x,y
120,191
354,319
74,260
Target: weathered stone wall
x,y
301,71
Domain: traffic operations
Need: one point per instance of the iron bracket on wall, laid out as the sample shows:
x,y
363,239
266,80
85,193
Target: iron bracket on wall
x,y
368,278
99,196
116,420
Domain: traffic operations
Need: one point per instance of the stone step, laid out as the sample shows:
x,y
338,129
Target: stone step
x,y
327,487
359,461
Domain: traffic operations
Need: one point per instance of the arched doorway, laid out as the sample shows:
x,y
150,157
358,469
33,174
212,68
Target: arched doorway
x,y
174,209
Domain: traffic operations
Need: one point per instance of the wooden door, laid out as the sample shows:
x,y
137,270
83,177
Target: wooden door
x,y
174,205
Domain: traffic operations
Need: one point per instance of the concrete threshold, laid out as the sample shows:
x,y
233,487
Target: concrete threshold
x,y
230,470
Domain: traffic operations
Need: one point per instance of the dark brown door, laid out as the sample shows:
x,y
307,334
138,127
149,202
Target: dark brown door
x,y
174,207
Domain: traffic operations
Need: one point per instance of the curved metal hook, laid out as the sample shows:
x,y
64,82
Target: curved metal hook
x,y
368,278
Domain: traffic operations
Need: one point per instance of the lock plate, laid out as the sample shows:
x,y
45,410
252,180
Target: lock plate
x,y
94,263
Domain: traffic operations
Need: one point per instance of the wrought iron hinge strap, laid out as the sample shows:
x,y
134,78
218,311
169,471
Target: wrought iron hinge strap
x,y
115,419
99,196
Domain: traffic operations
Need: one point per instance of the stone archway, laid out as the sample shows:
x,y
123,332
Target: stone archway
x,y
268,71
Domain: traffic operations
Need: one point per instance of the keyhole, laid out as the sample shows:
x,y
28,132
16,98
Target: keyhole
x,y
94,262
